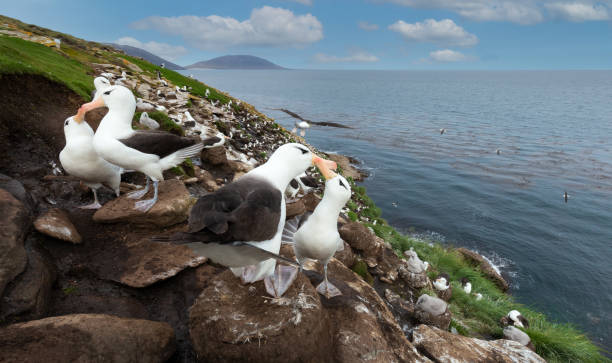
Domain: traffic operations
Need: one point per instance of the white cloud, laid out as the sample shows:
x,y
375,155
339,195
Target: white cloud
x,y
578,12
166,51
518,11
267,26
303,2
444,32
446,56
357,57
367,26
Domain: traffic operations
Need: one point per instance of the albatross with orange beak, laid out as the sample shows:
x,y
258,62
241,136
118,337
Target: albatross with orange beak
x,y
149,152
240,225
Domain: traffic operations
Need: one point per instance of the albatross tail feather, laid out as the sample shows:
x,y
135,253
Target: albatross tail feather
x,y
179,156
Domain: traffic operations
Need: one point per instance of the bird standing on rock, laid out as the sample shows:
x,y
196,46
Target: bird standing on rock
x,y
80,159
315,236
240,225
150,152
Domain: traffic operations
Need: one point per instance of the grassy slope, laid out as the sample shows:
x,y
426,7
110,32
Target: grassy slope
x,y
554,342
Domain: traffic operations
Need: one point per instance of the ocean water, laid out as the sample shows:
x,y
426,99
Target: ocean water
x,y
552,130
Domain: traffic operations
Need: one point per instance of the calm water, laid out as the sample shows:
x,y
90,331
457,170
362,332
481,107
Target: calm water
x,y
553,131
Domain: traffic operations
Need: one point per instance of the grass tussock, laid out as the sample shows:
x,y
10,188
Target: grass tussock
x,y
553,341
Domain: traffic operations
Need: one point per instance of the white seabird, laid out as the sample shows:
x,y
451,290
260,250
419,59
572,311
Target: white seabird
x,y
101,84
317,234
240,225
467,285
302,125
150,152
441,283
515,318
80,159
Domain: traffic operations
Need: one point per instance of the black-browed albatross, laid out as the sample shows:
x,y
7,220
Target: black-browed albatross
x,y
226,225
149,152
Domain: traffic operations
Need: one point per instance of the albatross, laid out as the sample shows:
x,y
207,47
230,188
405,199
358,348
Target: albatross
x,y
315,236
80,159
241,224
149,152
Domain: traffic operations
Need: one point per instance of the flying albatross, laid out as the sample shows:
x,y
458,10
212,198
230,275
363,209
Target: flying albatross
x,y
80,159
315,236
149,152
241,224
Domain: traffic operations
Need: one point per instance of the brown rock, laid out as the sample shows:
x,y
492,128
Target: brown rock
x,y
215,155
230,322
485,266
432,311
359,237
442,346
348,170
56,223
445,294
403,308
295,209
30,292
123,306
311,200
171,208
346,256
148,263
15,187
14,221
87,338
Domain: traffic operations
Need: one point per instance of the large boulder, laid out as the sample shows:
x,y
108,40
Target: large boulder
x,y
14,224
431,310
346,164
148,263
517,335
171,208
56,223
215,155
442,346
232,322
87,338
29,294
485,266
15,187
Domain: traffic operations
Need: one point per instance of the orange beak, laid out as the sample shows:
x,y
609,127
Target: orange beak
x,y
79,116
325,166
97,103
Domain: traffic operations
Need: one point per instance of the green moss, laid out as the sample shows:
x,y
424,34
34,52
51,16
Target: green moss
x,y
178,170
19,56
188,167
166,123
352,216
69,290
361,269
263,154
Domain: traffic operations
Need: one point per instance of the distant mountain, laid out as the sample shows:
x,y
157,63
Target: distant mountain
x,y
236,62
137,52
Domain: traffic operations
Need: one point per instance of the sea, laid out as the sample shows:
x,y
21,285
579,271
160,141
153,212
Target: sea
x,y
494,181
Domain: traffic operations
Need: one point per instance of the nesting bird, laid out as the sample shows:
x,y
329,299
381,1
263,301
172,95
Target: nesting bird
x,y
515,318
467,285
443,287
80,159
315,236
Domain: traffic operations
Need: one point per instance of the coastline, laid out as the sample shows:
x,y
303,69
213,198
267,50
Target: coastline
x,y
363,209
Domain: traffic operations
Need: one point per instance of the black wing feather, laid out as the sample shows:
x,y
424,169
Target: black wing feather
x,y
160,143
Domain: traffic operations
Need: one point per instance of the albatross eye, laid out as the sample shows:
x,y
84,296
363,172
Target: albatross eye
x,y
342,184
304,151
66,123
108,92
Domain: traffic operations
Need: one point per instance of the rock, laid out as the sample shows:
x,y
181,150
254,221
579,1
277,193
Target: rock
x,y
414,271
14,223
346,256
87,338
133,67
442,346
148,263
485,266
171,95
348,170
171,208
215,155
123,306
229,322
445,294
17,190
311,201
56,223
30,292
295,209
402,308
143,89
517,335
359,237
432,311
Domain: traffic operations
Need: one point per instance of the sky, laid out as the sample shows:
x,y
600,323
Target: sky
x,y
346,34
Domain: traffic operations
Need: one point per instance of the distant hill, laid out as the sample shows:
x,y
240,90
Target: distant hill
x,y
236,62
137,52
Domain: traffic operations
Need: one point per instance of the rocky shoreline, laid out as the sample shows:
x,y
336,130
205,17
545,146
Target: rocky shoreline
x,y
91,286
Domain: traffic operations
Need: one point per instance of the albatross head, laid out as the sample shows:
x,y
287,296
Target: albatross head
x,y
116,98
293,159
72,128
101,83
337,189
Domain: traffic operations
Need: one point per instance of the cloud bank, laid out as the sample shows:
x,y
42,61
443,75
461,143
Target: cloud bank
x,y
443,32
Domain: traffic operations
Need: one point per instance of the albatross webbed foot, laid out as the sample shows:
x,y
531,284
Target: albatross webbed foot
x,y
278,283
137,194
328,290
146,205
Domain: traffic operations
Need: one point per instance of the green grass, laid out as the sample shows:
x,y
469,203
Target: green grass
x,y
165,122
19,56
553,341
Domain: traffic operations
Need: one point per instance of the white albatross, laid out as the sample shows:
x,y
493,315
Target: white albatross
x,y
80,159
240,225
317,234
302,125
149,152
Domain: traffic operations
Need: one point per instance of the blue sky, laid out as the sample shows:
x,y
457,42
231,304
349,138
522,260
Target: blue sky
x,y
347,34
